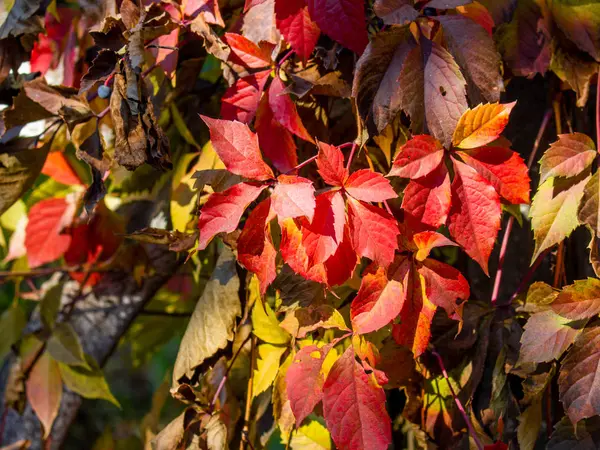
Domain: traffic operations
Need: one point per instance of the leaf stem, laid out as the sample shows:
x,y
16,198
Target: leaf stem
x,y
511,219
459,404
284,59
354,147
302,164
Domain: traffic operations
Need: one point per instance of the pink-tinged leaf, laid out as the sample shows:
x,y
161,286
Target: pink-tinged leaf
x,y
323,234
276,142
481,125
579,390
44,390
223,211
504,169
295,255
58,168
354,407
444,285
378,301
237,146
580,300
369,186
304,380
167,57
474,218
373,232
426,241
480,14
284,110
567,157
296,26
418,157
547,335
208,9
340,266
330,164
251,3
395,12
248,54
342,20
255,248
44,240
293,196
427,199
241,100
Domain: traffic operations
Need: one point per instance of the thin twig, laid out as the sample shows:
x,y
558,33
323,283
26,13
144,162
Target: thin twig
x,y
459,404
249,394
511,219
302,164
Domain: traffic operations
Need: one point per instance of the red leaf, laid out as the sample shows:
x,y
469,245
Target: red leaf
x,y
304,380
276,142
418,157
166,57
255,249
369,186
58,168
323,234
223,211
340,266
42,54
503,168
296,26
240,101
373,232
443,285
247,53
293,196
426,241
354,407
294,253
284,110
474,218
237,147
43,240
330,164
342,20
378,302
428,198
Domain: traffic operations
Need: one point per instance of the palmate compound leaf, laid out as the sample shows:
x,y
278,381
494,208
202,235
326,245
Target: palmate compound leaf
x,y
255,247
237,146
474,218
354,407
212,322
376,86
547,335
240,101
579,389
418,157
373,232
554,213
481,125
296,26
44,390
567,157
223,211
369,186
342,20
292,197
580,300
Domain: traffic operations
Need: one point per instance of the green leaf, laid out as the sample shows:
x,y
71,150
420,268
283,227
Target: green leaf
x,y
554,216
12,322
11,216
182,127
50,305
64,345
44,390
213,320
266,367
89,382
580,21
530,423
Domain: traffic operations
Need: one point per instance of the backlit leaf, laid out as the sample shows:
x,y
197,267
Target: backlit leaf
x,y
293,196
427,241
87,381
567,157
481,125
267,366
237,147
57,167
284,110
44,390
330,163
247,53
418,157
354,407
296,26
369,186
428,198
444,285
266,326
580,300
240,101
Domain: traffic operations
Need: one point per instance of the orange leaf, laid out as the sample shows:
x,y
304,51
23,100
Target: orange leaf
x,y
481,125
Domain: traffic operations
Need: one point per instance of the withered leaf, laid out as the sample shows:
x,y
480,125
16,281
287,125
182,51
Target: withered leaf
x,y
103,65
176,240
111,35
23,18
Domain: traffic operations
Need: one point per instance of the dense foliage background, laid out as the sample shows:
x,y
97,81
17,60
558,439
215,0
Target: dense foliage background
x,y
305,224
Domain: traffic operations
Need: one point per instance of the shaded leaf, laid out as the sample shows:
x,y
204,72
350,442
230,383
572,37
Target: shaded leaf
x,y
580,300
44,390
589,207
12,322
566,437
88,381
395,12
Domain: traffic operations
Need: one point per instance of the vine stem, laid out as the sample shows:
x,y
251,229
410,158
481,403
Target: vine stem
x,y
302,164
511,219
354,147
459,404
249,394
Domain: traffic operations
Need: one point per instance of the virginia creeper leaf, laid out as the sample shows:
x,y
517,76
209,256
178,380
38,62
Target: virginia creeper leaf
x,y
418,157
87,380
240,101
44,390
246,53
567,157
428,198
323,234
481,125
474,218
296,26
266,326
354,407
444,285
330,163
267,365
237,147
395,12
284,110
223,211
580,300
427,241
580,21
589,207
293,196
369,186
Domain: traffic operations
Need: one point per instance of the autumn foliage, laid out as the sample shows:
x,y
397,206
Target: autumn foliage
x,y
367,260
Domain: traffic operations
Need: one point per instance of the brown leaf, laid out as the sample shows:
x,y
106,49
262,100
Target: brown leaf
x,y
23,18
259,23
13,51
176,240
566,437
103,65
111,35
212,42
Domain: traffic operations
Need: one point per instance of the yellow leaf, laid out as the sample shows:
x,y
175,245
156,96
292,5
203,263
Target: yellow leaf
x,y
266,367
481,125
266,326
312,436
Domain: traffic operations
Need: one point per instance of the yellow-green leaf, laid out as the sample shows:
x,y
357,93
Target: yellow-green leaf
x,y
89,382
12,322
312,436
481,125
266,326
64,345
267,366
50,305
